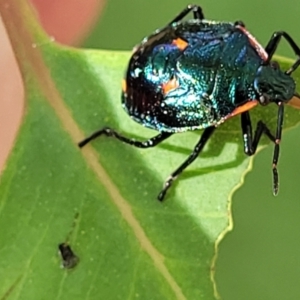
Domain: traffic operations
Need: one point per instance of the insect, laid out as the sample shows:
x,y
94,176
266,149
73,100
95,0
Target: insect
x,y
196,74
69,259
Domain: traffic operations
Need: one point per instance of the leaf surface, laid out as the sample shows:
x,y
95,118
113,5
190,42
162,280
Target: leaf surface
x,y
102,200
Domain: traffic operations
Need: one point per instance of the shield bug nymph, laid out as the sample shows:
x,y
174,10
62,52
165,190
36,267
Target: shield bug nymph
x,y
196,74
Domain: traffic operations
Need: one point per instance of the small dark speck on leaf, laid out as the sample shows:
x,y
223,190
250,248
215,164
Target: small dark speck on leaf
x,y
69,258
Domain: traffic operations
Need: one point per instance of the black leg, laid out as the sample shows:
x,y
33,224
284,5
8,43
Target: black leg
x,y
197,11
239,23
112,133
250,144
198,148
273,44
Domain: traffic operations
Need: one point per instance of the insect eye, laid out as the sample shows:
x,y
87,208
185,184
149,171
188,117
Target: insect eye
x,y
274,65
264,99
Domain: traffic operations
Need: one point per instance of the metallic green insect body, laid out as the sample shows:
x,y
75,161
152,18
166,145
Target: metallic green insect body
x,y
196,74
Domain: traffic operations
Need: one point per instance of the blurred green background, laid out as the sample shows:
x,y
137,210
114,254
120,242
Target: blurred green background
x,y
260,258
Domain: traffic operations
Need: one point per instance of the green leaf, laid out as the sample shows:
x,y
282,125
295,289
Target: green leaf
x,y
102,200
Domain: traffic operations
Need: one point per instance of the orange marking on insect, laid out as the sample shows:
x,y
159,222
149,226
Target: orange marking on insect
x,y
294,102
170,85
254,43
243,108
124,85
180,43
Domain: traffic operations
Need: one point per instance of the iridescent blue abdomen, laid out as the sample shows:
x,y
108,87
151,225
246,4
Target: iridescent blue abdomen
x,y
190,75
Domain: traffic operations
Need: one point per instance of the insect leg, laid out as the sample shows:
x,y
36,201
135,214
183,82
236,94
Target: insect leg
x,y
112,133
250,145
197,11
239,23
198,148
273,44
